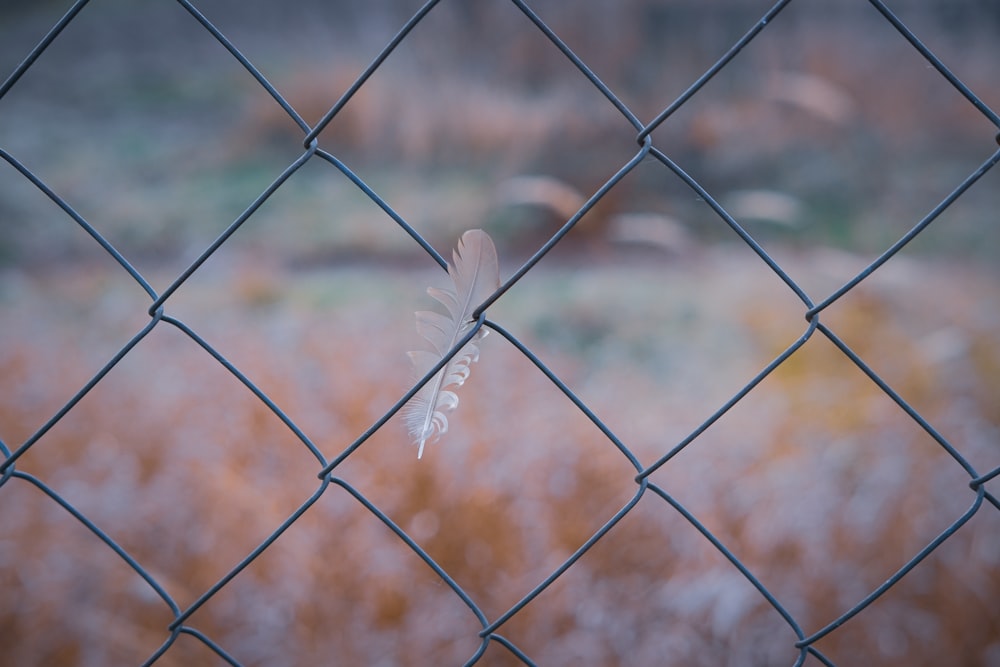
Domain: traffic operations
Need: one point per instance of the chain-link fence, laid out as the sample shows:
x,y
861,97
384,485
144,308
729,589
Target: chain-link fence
x,y
493,642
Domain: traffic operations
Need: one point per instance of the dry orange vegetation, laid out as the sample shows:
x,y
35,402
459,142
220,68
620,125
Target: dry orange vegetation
x,y
817,482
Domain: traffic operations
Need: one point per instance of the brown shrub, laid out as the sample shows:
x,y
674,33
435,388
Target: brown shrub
x,y
817,482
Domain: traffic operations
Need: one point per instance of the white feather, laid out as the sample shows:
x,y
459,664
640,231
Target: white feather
x,y
475,274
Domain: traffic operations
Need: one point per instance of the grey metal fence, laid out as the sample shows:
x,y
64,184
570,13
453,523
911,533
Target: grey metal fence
x,y
492,628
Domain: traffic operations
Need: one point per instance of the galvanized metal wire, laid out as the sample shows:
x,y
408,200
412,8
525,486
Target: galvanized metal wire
x,y
492,628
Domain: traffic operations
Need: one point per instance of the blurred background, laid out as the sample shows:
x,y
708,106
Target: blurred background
x,y
827,138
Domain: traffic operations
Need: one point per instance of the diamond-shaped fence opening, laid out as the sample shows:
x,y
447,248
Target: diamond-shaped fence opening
x,y
725,414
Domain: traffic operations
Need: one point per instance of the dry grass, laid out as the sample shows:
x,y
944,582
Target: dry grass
x,y
817,482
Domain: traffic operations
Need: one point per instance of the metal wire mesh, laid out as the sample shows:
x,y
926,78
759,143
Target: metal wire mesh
x,y
491,632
